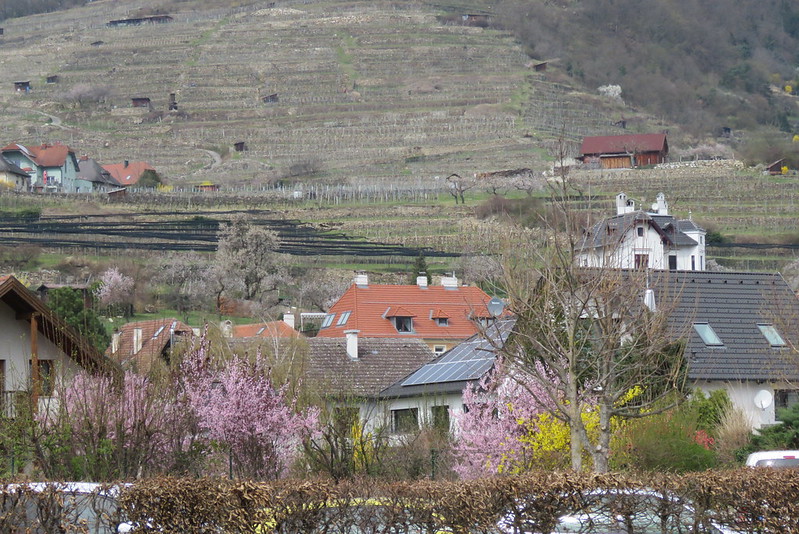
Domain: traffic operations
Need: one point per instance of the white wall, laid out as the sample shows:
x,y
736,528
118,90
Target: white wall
x,y
15,349
742,395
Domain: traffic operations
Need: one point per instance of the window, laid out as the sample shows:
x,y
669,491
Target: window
x,y
641,261
693,263
707,334
406,420
442,321
770,333
343,319
328,320
45,376
640,230
403,324
785,398
440,418
439,349
672,263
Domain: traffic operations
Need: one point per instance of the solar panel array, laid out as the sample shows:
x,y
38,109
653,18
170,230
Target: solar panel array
x,y
468,361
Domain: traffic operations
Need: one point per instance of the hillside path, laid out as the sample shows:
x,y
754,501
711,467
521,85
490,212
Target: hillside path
x,y
214,155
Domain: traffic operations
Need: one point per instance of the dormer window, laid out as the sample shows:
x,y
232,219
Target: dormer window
x,y
442,321
708,335
403,324
770,333
440,317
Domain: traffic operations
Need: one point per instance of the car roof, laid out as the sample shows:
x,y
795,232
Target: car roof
x,y
770,455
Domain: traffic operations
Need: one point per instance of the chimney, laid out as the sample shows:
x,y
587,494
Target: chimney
x,y
137,340
449,282
125,164
624,204
361,279
649,300
421,280
288,318
352,344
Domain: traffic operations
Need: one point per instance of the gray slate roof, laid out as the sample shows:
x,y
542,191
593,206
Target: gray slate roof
x,y
611,230
455,369
733,304
91,171
7,166
381,362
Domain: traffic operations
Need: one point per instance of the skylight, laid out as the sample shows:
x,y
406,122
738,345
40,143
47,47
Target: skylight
x,y
328,320
342,320
770,333
707,334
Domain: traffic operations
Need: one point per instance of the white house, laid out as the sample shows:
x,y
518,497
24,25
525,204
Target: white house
x,y
635,239
37,349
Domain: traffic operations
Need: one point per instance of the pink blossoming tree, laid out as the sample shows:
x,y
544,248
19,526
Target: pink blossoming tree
x,y
242,413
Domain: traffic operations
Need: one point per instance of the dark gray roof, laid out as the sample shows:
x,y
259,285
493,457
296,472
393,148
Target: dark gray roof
x,y
381,362
611,230
733,304
91,171
453,370
7,166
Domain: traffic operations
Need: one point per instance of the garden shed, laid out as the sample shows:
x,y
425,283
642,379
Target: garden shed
x,y
625,151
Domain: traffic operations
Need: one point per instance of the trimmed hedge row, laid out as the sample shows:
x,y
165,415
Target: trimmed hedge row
x,y
746,500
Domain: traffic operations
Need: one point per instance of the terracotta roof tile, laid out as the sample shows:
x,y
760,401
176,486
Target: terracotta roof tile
x,y
156,335
270,329
130,174
622,144
50,155
373,306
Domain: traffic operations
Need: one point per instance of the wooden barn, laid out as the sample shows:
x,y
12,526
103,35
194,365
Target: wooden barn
x,y
625,151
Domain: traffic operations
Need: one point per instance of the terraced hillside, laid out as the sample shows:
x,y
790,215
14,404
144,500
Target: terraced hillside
x,y
363,90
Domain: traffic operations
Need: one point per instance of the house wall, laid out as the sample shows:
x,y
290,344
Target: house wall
x,y
423,404
742,395
649,244
15,349
14,180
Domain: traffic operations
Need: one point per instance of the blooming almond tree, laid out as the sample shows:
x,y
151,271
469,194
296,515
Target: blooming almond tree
x,y
240,411
494,433
116,289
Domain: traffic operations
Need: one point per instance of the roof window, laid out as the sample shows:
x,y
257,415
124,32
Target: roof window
x,y
770,333
707,334
342,320
328,320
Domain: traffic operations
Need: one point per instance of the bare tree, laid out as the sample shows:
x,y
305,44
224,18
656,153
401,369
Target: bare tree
x,y
248,254
588,337
459,185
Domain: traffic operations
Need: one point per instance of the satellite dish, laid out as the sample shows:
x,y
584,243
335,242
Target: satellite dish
x,y
763,399
495,307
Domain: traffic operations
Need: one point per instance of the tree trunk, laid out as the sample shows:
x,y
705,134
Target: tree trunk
x,y
602,451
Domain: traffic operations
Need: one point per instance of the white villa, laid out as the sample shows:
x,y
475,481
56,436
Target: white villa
x,y
635,239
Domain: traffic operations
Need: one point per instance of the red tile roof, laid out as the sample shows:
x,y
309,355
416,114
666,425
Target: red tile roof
x,y
156,335
44,155
270,329
623,144
372,308
128,175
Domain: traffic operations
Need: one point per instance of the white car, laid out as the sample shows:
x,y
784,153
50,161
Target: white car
x,y
776,459
617,511
39,507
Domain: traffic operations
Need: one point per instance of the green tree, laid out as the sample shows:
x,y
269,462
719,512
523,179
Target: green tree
x,y
67,303
150,178
419,268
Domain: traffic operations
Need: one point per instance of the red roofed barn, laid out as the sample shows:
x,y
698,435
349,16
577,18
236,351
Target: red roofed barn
x,y
441,316
625,151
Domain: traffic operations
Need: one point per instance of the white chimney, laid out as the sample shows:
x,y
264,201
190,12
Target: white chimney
x,y
649,300
421,280
361,279
449,282
352,343
137,340
288,318
624,204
